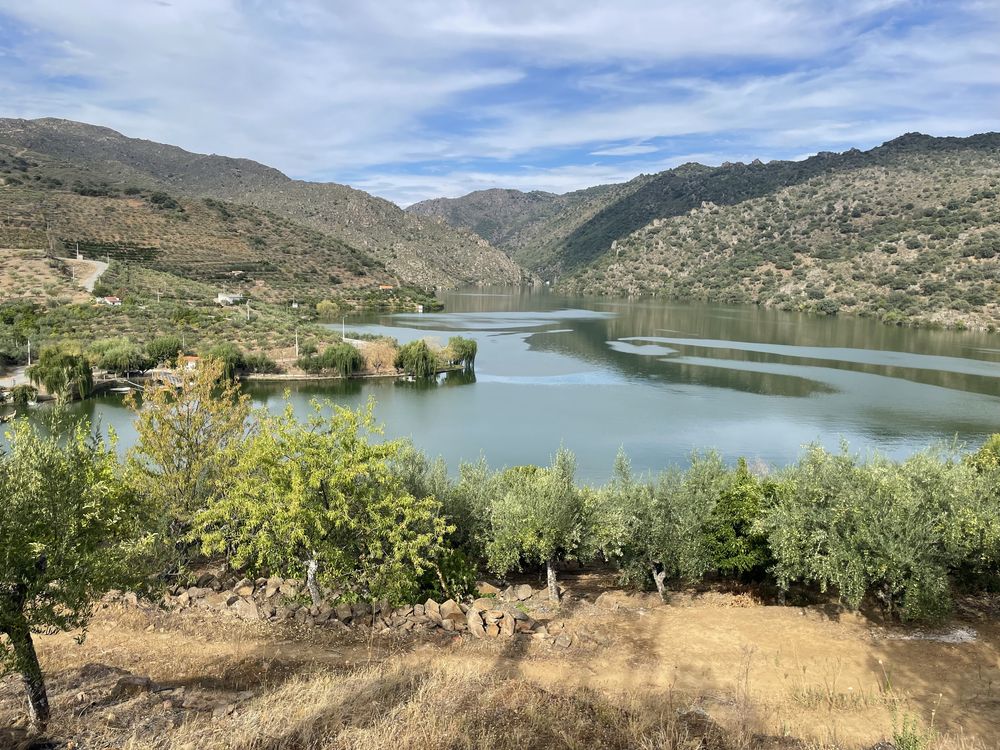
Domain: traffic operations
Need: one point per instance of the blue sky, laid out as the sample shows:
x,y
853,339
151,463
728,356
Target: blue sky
x,y
419,99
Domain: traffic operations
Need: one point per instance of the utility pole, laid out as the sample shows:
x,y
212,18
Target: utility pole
x,y
248,311
29,352
296,343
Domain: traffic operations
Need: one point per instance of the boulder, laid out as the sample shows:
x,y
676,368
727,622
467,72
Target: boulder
x,y
487,589
214,600
418,610
475,624
272,587
432,607
493,631
483,604
344,612
449,608
361,610
206,580
563,641
523,592
448,625
246,609
491,616
244,587
524,626
507,627
289,588
196,592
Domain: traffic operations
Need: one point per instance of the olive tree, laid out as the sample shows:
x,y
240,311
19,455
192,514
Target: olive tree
x,y
320,499
536,517
661,526
896,531
70,530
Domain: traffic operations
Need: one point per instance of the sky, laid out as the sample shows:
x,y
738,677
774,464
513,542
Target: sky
x,y
414,99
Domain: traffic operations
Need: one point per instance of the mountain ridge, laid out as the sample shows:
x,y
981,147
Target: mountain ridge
x,y
552,243
414,249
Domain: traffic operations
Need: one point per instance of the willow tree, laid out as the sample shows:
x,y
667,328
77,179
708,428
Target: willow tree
x,y
63,373
417,359
463,351
321,500
70,530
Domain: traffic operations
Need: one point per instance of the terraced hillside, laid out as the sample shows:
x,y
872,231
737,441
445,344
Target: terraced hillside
x,y
413,250
239,247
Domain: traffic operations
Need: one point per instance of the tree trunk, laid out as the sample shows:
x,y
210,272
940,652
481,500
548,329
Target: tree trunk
x,y
26,662
311,568
658,577
550,570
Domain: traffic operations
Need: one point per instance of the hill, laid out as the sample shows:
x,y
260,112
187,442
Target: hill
x,y
413,250
908,231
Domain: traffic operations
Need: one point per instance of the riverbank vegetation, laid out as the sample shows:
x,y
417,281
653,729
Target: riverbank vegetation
x,y
359,518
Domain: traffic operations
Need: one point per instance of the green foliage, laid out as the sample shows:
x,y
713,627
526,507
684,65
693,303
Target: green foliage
x,y
70,530
120,356
164,349
64,373
260,363
462,352
342,358
417,359
231,358
536,516
23,394
180,458
735,543
893,530
320,499
327,309
987,458
453,577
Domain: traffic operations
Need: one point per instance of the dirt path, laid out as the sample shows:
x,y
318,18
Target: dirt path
x,y
88,271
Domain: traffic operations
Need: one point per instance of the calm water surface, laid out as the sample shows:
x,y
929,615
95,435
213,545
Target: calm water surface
x,y
663,379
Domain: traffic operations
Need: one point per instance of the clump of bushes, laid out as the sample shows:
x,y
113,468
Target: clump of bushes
x,y
341,358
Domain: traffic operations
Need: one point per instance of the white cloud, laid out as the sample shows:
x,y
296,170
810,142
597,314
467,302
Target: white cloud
x,y
381,91
629,150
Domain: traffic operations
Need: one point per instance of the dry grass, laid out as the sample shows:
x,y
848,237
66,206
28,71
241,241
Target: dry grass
x,y
647,680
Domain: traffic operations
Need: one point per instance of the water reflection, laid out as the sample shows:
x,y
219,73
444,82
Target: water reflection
x,y
662,379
